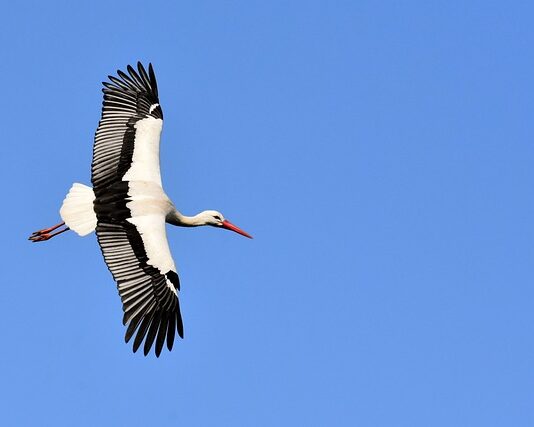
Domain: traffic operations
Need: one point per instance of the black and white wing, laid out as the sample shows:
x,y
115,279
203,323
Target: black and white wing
x,y
136,252
133,241
128,134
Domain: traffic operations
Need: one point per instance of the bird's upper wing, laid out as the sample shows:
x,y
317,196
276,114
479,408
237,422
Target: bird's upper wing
x,y
127,138
136,251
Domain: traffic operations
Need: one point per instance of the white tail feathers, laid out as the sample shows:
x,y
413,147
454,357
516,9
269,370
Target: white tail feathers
x,y
77,209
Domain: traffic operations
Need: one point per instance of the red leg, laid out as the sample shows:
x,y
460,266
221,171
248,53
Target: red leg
x,y
47,230
44,234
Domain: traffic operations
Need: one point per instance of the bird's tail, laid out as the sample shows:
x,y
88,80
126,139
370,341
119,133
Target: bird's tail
x,y
77,210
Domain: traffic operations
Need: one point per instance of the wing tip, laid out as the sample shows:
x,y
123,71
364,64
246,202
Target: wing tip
x,y
156,327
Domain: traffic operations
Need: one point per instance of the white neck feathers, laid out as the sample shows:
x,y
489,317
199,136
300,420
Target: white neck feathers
x,y
176,218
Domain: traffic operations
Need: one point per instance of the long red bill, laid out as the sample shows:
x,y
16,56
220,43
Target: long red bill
x,y
229,226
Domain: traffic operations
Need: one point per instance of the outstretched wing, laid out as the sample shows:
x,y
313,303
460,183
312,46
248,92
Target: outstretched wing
x,y
127,138
137,253
134,246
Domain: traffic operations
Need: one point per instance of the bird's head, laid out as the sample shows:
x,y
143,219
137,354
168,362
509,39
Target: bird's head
x,y
216,219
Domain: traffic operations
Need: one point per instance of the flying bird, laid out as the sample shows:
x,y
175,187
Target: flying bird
x,y
128,209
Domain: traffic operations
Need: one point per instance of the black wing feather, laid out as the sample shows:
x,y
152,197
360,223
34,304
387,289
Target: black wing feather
x,y
149,296
127,99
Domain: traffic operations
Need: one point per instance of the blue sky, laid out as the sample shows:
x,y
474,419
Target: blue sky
x,y
379,152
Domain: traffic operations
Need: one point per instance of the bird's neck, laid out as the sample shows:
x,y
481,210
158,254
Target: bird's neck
x,y
177,218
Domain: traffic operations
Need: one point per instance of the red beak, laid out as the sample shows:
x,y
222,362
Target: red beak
x,y
229,226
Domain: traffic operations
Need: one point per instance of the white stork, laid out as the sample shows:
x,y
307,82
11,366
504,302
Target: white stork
x,y
128,209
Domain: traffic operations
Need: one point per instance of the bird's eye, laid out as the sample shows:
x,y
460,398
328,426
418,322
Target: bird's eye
x,y
217,217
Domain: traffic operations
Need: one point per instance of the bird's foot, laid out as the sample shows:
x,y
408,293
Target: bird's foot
x,y
45,234
39,237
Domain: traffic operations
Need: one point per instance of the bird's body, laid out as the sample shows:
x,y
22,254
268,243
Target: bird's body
x,y
128,209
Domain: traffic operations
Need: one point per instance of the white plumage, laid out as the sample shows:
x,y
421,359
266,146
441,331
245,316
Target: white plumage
x,y
77,210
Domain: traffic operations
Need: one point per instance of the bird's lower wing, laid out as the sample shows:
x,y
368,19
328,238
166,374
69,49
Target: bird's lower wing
x,y
137,253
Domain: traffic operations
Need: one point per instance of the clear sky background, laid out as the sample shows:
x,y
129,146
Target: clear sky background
x,y
381,155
